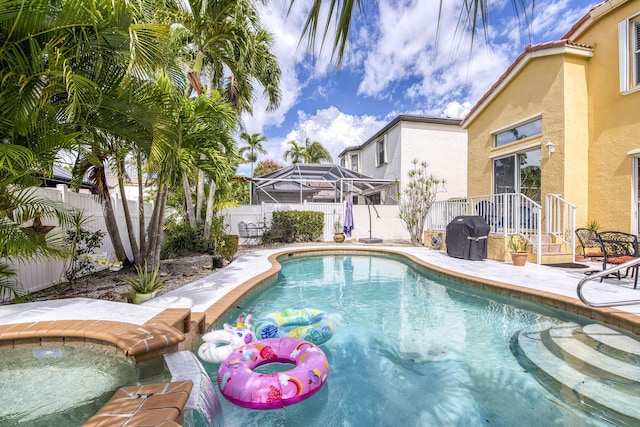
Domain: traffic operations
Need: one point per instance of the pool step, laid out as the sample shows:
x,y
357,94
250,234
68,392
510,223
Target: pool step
x,y
593,366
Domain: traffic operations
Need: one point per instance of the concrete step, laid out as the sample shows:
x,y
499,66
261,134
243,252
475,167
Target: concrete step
x,y
590,368
557,258
586,350
551,248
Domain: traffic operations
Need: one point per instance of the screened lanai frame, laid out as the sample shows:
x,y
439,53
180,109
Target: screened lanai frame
x,y
301,177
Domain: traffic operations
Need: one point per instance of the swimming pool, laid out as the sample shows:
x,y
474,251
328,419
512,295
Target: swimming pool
x,y
409,349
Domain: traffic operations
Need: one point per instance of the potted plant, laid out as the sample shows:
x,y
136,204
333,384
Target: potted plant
x,y
338,234
519,248
147,284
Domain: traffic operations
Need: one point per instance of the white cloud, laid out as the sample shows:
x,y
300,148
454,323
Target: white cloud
x,y
333,128
394,50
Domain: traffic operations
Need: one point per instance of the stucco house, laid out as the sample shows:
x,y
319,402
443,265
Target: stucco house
x,y
556,138
389,153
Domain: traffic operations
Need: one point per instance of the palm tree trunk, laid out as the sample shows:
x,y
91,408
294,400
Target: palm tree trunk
x,y
154,231
158,244
137,260
143,237
209,215
191,215
199,195
112,229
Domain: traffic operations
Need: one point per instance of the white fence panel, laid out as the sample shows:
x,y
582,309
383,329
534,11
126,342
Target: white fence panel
x,y
367,223
40,274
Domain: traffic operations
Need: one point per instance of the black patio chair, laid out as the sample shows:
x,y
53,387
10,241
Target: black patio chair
x,y
618,248
588,239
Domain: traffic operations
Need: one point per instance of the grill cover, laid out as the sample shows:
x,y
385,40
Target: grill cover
x,y
467,237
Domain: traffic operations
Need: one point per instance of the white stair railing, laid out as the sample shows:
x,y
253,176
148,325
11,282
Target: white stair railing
x,y
561,220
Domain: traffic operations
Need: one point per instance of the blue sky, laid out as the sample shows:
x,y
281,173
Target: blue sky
x,y
393,66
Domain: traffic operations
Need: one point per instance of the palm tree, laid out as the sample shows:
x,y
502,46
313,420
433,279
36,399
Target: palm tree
x,y
70,77
473,14
18,205
296,152
224,41
314,152
253,147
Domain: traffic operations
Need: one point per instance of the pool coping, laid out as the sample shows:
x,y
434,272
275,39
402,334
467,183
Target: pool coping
x,y
178,328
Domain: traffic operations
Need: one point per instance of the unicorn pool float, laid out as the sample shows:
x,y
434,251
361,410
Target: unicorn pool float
x,y
219,344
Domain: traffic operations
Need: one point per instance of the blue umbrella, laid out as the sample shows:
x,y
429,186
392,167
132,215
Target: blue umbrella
x,y
348,217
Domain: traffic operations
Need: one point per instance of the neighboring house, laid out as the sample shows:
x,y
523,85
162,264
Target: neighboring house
x,y
440,142
563,123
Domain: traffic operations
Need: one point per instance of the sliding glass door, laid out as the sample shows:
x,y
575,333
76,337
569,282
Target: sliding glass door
x,y
518,173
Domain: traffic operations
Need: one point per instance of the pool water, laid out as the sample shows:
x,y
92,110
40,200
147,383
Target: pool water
x,y
62,386
409,349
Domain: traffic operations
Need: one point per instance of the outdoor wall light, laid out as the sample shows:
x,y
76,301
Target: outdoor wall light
x,y
551,148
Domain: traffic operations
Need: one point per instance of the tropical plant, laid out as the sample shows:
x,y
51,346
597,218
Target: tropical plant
x,y
295,152
518,244
82,243
19,206
315,152
473,13
223,41
417,198
228,246
593,225
310,152
253,147
180,239
218,230
148,281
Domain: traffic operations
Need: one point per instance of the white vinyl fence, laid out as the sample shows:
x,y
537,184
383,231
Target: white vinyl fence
x,y
387,226
40,274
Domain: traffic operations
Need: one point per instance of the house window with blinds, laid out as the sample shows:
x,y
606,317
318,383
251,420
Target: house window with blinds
x,y
354,163
381,152
635,32
629,53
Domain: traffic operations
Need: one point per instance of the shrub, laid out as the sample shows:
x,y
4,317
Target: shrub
x,y
299,226
81,242
228,246
180,239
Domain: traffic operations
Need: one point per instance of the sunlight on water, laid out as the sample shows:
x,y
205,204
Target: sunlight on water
x,y
61,386
408,350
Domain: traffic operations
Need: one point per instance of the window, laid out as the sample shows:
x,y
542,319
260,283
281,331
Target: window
x,y
354,162
520,171
374,198
517,133
343,162
629,53
381,157
636,52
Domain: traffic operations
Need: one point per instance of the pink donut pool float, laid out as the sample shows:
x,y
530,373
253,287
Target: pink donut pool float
x,y
241,385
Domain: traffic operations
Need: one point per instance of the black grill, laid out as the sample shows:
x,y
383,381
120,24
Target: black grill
x,y
467,237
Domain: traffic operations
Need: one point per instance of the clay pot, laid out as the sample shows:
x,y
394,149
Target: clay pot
x,y
519,258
